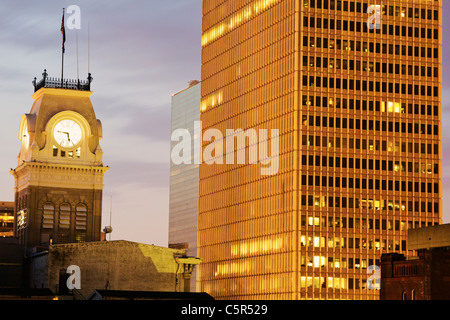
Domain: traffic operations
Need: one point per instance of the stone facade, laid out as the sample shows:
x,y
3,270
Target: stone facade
x,y
115,265
38,197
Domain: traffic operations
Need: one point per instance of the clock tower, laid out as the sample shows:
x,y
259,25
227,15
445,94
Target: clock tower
x,y
59,174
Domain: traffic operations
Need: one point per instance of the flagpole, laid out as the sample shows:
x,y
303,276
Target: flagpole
x,y
63,50
62,70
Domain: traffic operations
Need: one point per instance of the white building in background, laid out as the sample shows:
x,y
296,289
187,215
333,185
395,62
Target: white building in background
x,y
184,178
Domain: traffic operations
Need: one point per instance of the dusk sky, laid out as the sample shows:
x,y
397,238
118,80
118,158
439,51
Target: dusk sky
x,y
141,52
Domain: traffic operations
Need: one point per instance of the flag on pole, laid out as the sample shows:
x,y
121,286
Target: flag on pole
x,y
63,31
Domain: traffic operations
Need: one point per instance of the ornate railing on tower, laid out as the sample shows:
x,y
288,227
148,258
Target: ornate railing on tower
x,y
58,83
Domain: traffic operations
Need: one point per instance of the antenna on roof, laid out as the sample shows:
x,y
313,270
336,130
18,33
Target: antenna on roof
x,y
78,65
110,219
109,229
89,47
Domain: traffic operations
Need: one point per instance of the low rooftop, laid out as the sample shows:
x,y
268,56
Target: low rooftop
x,y
430,237
6,206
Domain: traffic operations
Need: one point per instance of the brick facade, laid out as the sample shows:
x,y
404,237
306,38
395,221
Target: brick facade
x,y
424,278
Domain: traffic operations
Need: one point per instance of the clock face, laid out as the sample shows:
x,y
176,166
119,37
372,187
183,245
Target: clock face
x,y
67,133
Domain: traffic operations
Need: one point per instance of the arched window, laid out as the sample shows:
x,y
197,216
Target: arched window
x,y
64,224
48,216
403,295
81,217
64,216
80,223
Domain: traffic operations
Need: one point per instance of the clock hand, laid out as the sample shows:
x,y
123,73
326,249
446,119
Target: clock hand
x,y
68,135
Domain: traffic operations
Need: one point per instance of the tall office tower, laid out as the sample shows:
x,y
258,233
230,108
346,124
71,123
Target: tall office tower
x,y
183,206
358,109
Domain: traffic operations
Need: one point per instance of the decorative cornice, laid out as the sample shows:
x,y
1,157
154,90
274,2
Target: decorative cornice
x,y
61,92
58,176
61,167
